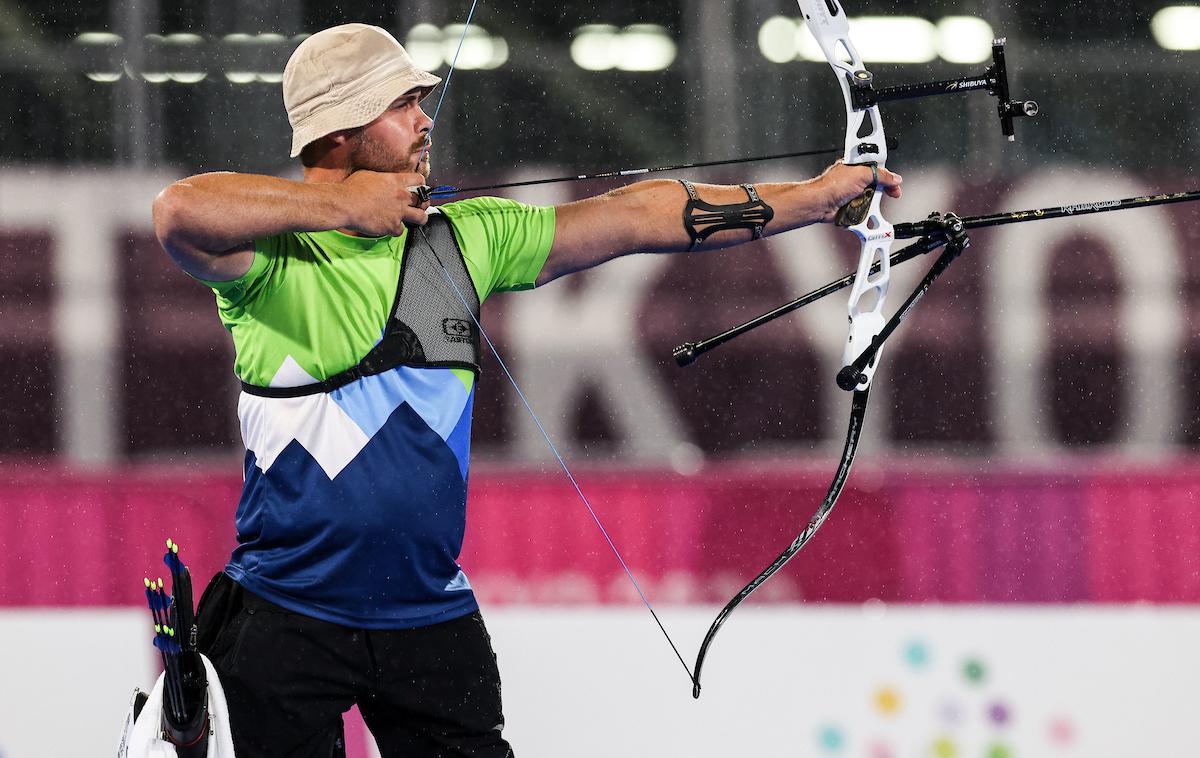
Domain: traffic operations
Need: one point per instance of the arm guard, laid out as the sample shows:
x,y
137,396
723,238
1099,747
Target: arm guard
x,y
702,220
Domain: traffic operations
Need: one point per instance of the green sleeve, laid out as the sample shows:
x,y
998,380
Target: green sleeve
x,y
505,243
235,293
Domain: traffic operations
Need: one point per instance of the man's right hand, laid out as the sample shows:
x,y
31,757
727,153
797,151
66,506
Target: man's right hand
x,y
381,204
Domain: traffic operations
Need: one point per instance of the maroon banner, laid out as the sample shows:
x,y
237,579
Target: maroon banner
x,y
1044,337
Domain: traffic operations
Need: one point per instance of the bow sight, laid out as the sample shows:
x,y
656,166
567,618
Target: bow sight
x,y
863,94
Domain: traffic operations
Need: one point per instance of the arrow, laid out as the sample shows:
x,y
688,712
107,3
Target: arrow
x,y
446,190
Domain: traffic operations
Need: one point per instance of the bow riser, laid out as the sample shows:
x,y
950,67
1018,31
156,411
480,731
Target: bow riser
x,y
869,290
865,143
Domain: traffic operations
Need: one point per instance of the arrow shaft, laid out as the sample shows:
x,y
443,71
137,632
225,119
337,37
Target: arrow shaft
x,y
445,191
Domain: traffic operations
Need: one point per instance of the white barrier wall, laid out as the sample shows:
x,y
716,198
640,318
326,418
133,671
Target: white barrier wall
x,y
875,681
66,677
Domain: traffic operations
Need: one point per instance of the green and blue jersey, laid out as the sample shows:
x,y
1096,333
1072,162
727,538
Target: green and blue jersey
x,y
354,505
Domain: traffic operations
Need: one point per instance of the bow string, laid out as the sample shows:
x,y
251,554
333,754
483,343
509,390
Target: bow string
x,y
521,394
865,145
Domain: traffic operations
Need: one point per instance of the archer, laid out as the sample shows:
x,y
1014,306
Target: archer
x,y
354,311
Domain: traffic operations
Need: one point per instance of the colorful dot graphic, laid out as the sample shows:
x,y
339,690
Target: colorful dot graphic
x,y
1062,731
887,701
951,712
967,720
830,738
998,750
944,747
880,749
974,671
998,713
916,654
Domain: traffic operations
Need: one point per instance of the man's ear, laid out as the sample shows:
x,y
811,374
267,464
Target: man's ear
x,y
342,136
316,151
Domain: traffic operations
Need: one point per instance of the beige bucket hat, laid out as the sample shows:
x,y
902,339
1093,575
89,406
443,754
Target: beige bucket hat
x,y
344,77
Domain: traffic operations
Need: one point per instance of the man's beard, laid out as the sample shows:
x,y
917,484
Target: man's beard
x,y
370,154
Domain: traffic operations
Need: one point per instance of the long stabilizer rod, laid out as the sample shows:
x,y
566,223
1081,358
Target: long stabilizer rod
x,y
921,228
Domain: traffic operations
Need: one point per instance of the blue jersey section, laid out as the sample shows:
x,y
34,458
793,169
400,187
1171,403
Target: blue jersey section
x,y
376,546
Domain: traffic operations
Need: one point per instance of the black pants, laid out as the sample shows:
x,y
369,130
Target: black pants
x,y
427,692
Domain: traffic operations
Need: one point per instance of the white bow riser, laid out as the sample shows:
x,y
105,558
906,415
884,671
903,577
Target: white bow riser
x,y
864,129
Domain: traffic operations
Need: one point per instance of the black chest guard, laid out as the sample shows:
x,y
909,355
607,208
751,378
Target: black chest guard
x,y
429,327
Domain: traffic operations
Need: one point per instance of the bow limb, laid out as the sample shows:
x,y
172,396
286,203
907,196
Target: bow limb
x,y
858,410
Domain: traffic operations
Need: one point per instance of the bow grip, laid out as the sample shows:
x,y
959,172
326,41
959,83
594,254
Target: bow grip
x,y
855,212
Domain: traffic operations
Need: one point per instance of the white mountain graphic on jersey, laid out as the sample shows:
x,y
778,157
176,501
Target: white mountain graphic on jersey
x,y
334,427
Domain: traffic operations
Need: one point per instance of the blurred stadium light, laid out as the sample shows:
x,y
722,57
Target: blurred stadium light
x,y
1177,27
964,39
885,39
637,47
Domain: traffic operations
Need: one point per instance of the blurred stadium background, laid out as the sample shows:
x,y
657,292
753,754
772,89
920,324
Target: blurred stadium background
x,y
1015,565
